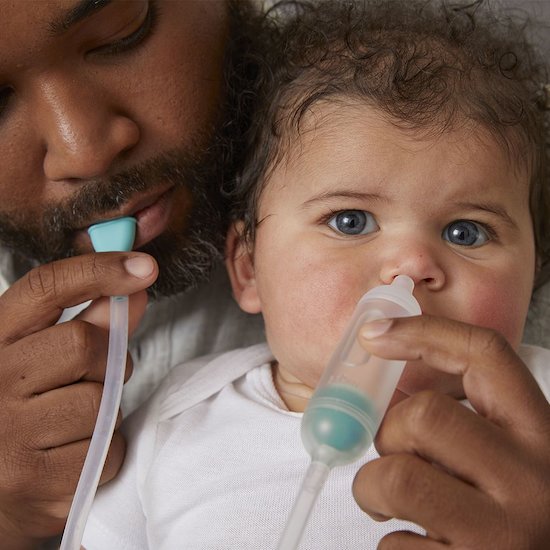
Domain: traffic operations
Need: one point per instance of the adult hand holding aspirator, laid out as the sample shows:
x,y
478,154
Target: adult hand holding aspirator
x,y
67,379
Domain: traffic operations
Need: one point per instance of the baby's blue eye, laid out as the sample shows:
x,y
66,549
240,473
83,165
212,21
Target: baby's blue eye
x,y
353,222
466,233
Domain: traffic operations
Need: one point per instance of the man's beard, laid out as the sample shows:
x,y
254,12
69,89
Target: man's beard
x,y
184,259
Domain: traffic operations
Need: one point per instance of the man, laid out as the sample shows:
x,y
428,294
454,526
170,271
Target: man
x,y
107,108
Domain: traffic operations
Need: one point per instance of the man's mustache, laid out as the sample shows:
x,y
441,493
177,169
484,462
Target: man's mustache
x,y
100,196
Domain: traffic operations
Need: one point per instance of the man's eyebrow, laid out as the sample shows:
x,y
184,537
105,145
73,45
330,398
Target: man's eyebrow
x,y
492,208
343,194
81,10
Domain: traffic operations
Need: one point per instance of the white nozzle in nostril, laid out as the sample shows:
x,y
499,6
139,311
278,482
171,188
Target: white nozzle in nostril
x,y
113,235
404,281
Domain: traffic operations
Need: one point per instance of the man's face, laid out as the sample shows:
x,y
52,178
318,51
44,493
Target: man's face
x,y
361,201
106,109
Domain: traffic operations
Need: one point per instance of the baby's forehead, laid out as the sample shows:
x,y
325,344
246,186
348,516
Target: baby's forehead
x,y
338,121
354,156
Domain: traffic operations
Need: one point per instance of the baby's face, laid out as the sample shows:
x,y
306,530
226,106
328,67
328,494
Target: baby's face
x,y
361,201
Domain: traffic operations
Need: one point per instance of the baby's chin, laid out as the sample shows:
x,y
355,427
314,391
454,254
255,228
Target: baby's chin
x,y
418,377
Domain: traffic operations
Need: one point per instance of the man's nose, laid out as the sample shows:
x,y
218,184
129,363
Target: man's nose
x,y
83,132
418,259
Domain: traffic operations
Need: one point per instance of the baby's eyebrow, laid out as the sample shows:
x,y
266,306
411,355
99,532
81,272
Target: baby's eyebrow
x,y
490,207
342,194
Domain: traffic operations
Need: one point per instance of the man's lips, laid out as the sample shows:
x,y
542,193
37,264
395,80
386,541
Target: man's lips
x,y
135,206
153,219
152,213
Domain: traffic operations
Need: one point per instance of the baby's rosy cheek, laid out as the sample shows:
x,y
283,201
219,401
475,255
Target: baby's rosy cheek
x,y
499,310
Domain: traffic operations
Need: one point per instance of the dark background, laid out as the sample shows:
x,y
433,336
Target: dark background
x,y
539,13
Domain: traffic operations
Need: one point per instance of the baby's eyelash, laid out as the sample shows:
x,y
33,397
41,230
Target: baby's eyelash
x,y
327,216
491,231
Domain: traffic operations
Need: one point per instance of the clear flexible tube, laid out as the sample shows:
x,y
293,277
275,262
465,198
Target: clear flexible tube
x,y
314,481
104,428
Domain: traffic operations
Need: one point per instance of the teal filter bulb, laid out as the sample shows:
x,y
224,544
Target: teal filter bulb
x,y
113,235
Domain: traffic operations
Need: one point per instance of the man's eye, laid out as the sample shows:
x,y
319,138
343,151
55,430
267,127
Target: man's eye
x,y
135,38
353,222
466,233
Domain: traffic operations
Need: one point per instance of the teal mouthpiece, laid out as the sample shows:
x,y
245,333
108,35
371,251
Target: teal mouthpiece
x,y
113,235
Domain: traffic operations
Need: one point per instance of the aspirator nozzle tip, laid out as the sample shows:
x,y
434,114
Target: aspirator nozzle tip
x,y
405,282
113,235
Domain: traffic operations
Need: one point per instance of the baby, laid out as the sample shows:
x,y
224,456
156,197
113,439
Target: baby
x,y
389,137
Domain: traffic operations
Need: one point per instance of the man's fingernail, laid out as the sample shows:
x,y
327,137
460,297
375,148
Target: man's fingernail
x,y
139,266
376,328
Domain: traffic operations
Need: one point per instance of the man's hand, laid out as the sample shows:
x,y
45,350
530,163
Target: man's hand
x,y
473,481
51,383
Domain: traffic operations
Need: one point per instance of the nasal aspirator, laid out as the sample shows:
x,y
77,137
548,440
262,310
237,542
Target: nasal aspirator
x,y
110,236
347,407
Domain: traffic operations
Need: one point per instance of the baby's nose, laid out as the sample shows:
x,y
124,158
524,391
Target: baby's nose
x,y
416,259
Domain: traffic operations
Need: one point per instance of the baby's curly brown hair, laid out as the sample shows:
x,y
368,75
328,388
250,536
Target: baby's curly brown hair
x,y
426,64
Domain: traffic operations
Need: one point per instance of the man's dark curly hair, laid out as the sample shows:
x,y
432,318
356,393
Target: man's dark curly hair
x,y
428,65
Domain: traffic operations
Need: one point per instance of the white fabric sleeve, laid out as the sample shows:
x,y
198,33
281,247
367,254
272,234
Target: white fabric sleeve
x,y
116,520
